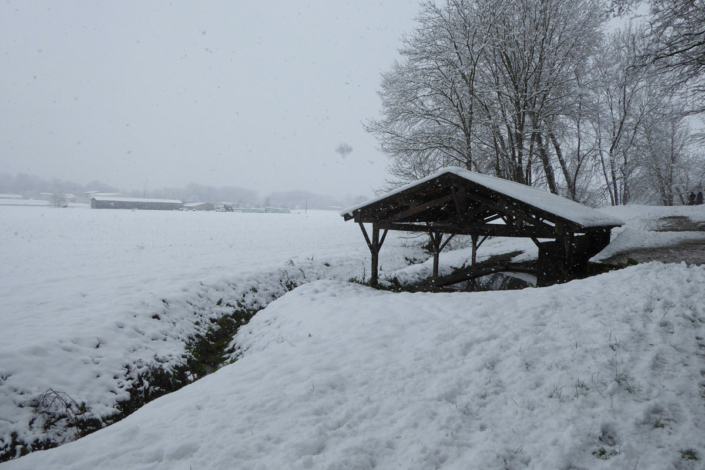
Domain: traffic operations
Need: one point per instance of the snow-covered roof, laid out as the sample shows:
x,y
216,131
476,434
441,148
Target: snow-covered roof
x,y
534,197
134,199
10,196
195,204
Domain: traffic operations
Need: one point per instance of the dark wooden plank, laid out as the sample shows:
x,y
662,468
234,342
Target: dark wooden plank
x,y
492,230
384,235
495,264
374,274
367,238
504,207
427,188
419,208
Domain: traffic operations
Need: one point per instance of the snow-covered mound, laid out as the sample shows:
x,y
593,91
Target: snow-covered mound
x,y
606,372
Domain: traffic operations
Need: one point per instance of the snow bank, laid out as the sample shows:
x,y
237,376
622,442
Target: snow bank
x,y
602,373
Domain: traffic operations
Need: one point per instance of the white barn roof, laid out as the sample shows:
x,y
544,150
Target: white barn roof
x,y
196,204
134,199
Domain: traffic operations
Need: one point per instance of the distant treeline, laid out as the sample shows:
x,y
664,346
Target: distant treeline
x,y
298,199
31,185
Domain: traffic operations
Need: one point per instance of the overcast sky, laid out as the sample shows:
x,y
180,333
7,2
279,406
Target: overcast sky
x,y
246,93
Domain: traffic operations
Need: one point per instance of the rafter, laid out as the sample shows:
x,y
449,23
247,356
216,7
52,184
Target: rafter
x,y
419,208
492,230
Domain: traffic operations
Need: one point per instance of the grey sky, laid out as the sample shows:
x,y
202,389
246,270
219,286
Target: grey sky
x,y
256,94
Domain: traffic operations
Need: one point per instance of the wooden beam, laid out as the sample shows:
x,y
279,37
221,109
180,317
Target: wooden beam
x,y
514,211
436,241
374,245
491,230
494,264
374,274
419,208
446,242
469,216
494,217
426,188
367,239
457,204
384,235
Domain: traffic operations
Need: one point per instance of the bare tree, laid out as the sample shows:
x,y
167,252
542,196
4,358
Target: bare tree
x,y
537,48
669,165
481,83
531,91
429,100
621,103
677,46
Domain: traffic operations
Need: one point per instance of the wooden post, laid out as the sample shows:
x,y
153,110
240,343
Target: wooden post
x,y
436,239
374,245
564,253
474,249
436,242
374,273
569,261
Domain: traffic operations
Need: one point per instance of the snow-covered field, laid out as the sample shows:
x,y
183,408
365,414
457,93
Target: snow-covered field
x,y
86,293
425,380
39,203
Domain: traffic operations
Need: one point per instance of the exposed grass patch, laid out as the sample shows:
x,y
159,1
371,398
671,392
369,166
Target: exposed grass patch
x,y
54,410
17,448
207,352
603,454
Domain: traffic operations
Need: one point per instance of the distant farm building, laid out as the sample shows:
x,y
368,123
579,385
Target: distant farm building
x,y
199,206
92,194
10,196
277,210
98,202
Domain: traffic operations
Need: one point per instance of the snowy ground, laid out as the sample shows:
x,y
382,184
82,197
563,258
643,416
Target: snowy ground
x,y
87,293
642,224
38,203
601,373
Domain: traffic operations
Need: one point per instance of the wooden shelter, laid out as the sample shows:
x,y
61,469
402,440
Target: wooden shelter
x,y
455,201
